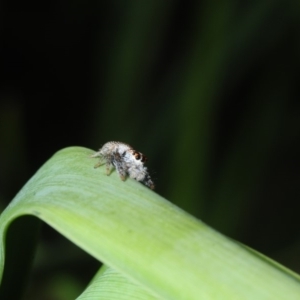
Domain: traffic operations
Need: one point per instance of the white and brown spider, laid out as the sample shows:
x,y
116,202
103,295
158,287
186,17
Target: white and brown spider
x,y
126,160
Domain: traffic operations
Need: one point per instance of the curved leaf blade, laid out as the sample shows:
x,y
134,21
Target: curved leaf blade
x,y
110,284
141,235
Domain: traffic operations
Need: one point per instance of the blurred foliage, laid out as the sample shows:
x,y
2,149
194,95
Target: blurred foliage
x,y
207,90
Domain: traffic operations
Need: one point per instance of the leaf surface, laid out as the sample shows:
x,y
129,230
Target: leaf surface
x,y
144,237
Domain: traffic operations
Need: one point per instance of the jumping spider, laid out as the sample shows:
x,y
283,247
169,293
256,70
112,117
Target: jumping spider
x,y
127,162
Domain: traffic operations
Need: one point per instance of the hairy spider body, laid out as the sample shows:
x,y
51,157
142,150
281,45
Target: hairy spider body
x,y
126,161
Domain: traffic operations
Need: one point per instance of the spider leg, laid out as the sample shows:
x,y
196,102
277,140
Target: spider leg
x,y
109,168
100,163
120,165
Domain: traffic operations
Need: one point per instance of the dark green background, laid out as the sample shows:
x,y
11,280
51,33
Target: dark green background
x,y
208,90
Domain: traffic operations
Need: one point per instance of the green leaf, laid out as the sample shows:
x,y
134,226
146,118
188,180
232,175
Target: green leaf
x,y
110,284
136,232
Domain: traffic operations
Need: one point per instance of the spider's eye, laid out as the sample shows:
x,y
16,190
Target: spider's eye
x,y
144,158
137,155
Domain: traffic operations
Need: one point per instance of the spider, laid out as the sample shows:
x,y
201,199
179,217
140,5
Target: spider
x,y
126,160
